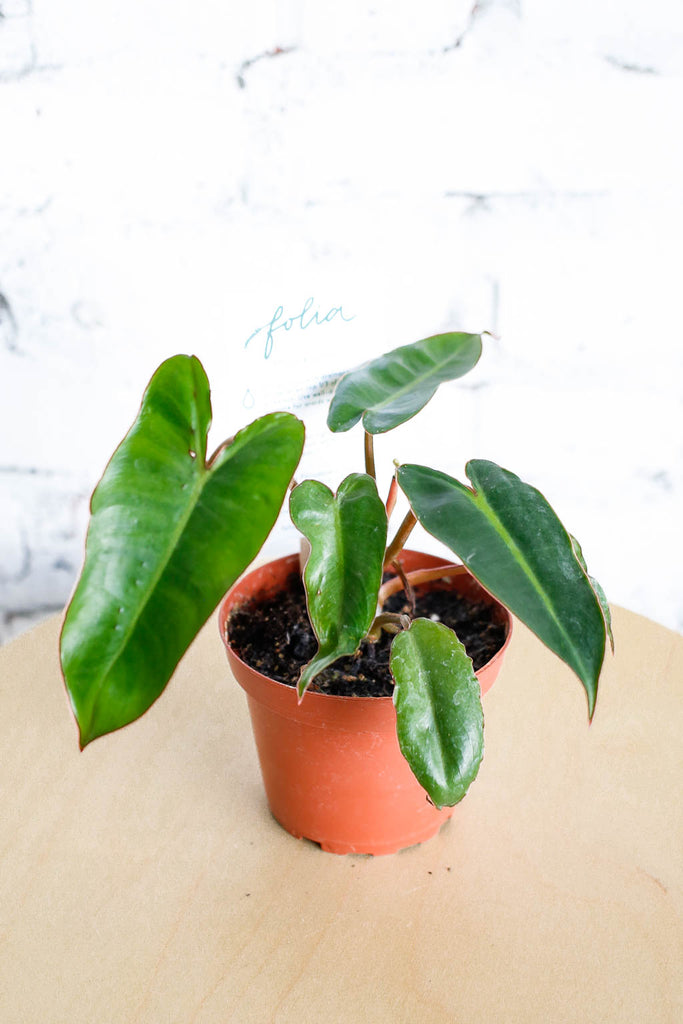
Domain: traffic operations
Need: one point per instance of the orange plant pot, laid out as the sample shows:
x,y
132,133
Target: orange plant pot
x,y
332,767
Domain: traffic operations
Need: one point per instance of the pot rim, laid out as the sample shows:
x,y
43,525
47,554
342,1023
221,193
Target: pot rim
x,y
313,697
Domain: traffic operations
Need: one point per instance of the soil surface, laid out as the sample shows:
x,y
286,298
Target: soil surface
x,y
275,637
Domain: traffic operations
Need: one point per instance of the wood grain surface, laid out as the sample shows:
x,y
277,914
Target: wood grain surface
x,y
145,880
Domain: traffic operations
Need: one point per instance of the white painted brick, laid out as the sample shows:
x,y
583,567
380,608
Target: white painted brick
x,y
168,178
41,544
389,26
640,38
78,33
11,9
17,53
462,122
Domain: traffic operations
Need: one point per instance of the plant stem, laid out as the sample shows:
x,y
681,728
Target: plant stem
x,y
392,622
401,537
410,593
395,584
370,456
391,497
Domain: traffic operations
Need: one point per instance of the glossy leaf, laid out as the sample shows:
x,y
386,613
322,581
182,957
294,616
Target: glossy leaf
x,y
347,533
391,389
599,592
509,537
439,717
168,536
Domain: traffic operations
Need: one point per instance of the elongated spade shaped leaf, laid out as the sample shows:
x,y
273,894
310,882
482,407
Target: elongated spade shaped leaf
x,y
508,536
391,389
440,722
347,533
168,536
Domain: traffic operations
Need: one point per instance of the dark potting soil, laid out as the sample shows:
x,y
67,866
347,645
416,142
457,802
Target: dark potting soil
x,y
275,637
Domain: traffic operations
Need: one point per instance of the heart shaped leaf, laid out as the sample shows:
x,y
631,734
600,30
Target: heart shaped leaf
x,y
509,537
391,389
347,533
440,722
168,535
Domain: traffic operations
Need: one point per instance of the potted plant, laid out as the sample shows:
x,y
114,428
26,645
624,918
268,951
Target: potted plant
x,y
173,529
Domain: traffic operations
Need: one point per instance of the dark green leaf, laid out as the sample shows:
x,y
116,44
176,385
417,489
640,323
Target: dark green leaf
x,y
347,534
391,389
439,717
508,536
599,592
167,537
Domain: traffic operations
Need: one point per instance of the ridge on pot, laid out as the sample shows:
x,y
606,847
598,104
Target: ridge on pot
x,y
332,767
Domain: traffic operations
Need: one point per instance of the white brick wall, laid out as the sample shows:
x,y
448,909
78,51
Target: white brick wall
x,y
170,174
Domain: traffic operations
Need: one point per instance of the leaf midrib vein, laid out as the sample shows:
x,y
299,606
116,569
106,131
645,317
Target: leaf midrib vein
x,y
172,547
513,547
414,382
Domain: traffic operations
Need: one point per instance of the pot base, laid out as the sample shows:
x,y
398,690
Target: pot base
x,y
378,848
333,771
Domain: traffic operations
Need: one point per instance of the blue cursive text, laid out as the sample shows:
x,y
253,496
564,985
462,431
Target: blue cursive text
x,y
278,321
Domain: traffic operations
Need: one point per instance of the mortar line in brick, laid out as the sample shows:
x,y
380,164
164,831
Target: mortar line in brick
x,y
277,51
24,570
622,65
39,609
32,65
479,8
483,197
30,471
7,316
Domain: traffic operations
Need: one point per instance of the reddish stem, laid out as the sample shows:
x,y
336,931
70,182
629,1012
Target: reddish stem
x,y
407,586
414,578
402,534
391,497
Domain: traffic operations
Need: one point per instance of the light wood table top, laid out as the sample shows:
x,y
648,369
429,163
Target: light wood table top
x,y
145,880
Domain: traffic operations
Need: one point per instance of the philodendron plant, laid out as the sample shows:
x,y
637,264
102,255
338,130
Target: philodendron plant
x,y
172,529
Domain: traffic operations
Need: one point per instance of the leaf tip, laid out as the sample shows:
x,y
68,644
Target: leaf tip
x,y
84,740
87,730
301,688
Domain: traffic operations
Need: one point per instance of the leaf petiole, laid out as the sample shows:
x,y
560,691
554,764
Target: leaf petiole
x,y
390,622
402,534
370,456
413,579
391,497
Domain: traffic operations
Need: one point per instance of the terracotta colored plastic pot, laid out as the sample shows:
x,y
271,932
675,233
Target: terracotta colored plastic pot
x,y
332,767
